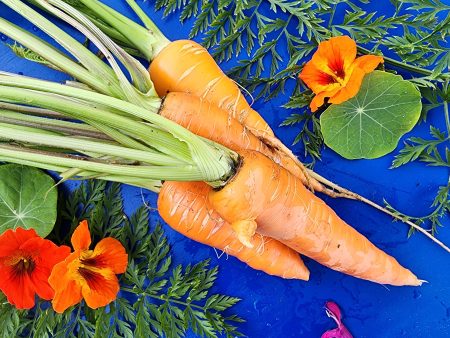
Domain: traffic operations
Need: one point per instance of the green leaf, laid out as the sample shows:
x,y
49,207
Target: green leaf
x,y
9,317
221,302
370,124
27,199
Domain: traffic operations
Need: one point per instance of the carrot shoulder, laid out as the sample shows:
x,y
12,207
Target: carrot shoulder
x,y
208,120
285,210
183,205
186,66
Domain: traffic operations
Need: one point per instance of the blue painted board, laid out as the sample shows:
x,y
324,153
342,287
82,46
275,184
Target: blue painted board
x,y
274,307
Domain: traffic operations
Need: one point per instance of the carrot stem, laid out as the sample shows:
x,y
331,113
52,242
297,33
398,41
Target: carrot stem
x,y
33,135
182,173
50,120
110,31
147,184
142,89
91,63
58,59
32,111
159,139
148,42
148,23
108,48
342,192
64,127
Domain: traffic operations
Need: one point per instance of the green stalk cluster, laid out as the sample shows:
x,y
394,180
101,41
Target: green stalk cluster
x,y
98,131
171,152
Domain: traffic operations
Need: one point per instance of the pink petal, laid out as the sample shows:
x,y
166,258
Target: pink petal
x,y
334,312
341,331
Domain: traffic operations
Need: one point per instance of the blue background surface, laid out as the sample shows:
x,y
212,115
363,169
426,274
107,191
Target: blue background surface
x,y
274,307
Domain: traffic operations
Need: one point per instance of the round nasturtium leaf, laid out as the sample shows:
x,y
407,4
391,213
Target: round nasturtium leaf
x,y
370,124
28,199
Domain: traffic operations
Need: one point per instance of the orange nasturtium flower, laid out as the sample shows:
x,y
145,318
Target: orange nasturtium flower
x,y
26,261
88,274
334,72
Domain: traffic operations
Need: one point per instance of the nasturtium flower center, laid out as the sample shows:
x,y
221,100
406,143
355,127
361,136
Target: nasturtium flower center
x,y
23,265
90,268
89,259
337,67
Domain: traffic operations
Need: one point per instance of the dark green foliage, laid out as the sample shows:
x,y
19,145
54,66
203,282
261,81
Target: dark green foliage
x,y
310,134
433,220
434,151
162,300
427,151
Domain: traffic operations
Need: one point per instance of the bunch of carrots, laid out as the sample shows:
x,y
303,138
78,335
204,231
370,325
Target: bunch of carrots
x,y
255,201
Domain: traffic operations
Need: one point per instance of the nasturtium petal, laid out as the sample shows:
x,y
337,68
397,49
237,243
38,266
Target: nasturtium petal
x,y
370,124
28,199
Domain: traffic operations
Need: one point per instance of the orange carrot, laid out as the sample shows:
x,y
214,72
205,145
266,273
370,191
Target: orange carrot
x,y
206,119
186,66
183,205
264,196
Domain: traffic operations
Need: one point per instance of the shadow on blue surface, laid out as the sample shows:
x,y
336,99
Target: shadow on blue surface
x,y
280,308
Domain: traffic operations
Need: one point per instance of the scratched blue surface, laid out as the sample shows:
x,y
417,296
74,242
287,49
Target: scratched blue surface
x,y
277,308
